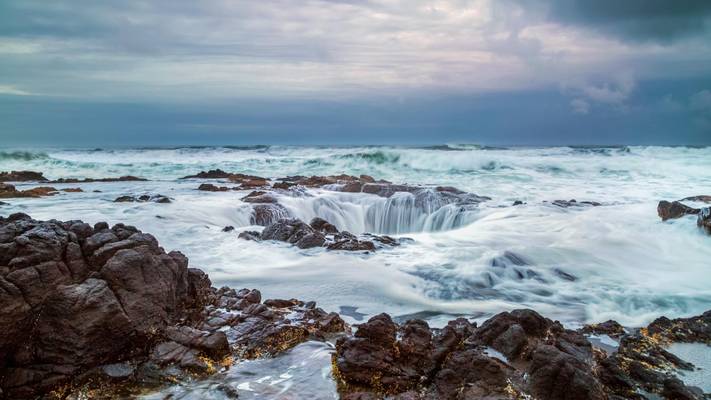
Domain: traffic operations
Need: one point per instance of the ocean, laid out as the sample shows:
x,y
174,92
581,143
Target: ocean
x,y
577,264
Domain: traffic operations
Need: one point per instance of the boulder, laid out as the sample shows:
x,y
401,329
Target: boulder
x,y
672,210
75,297
293,231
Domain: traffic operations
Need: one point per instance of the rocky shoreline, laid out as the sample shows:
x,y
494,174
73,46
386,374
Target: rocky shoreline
x,y
99,311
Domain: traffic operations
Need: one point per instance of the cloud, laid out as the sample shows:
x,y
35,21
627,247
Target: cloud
x,y
660,21
701,101
13,91
580,106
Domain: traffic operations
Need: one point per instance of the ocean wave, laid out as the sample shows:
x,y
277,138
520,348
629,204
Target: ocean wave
x,y
375,157
22,155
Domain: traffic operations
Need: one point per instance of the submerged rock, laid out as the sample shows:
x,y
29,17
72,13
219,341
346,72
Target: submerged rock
x,y
704,219
319,233
574,203
155,198
675,209
126,178
672,210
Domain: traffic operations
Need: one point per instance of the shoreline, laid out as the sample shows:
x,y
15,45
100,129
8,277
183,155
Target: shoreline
x,y
206,326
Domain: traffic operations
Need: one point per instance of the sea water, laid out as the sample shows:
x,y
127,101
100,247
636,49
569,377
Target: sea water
x,y
577,264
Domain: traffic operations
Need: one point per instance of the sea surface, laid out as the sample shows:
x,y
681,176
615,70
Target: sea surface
x,y
577,264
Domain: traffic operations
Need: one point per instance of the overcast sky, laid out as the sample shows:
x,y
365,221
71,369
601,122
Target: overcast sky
x,y
355,71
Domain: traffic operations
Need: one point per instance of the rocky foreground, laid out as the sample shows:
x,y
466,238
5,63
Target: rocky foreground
x,y
99,311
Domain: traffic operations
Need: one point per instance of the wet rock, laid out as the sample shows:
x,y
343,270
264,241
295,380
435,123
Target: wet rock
x,y
127,178
81,296
72,190
574,203
250,235
352,245
156,198
21,176
9,191
228,228
704,219
323,226
672,210
267,214
259,196
211,174
209,187
688,330
294,231
699,198
609,328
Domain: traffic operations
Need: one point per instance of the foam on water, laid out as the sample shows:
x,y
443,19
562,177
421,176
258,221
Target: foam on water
x,y
580,264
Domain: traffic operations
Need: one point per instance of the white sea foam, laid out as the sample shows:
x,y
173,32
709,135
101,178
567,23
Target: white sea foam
x,y
580,264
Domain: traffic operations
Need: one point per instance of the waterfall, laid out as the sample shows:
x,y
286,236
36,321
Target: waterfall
x,y
424,210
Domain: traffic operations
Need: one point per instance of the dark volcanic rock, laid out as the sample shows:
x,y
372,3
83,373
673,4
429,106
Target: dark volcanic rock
x,y
671,210
323,226
21,176
94,307
267,214
155,198
9,191
75,296
704,219
574,203
543,360
209,187
247,181
259,196
127,178
700,198
294,231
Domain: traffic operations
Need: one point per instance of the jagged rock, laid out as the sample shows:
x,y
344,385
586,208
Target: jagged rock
x,y
156,198
127,178
675,209
267,214
246,181
323,226
211,174
293,231
704,219
542,360
699,198
259,196
574,203
609,328
21,176
250,235
352,245
209,187
9,191
80,296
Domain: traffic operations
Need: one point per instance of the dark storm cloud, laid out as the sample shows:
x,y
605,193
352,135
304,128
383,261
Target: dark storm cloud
x,y
298,71
636,20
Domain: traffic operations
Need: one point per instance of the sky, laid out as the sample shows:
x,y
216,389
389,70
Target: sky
x,y
212,72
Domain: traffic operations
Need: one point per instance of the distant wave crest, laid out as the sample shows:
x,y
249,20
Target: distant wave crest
x,y
22,155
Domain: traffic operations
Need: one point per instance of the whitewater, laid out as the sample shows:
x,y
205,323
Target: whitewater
x,y
575,264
